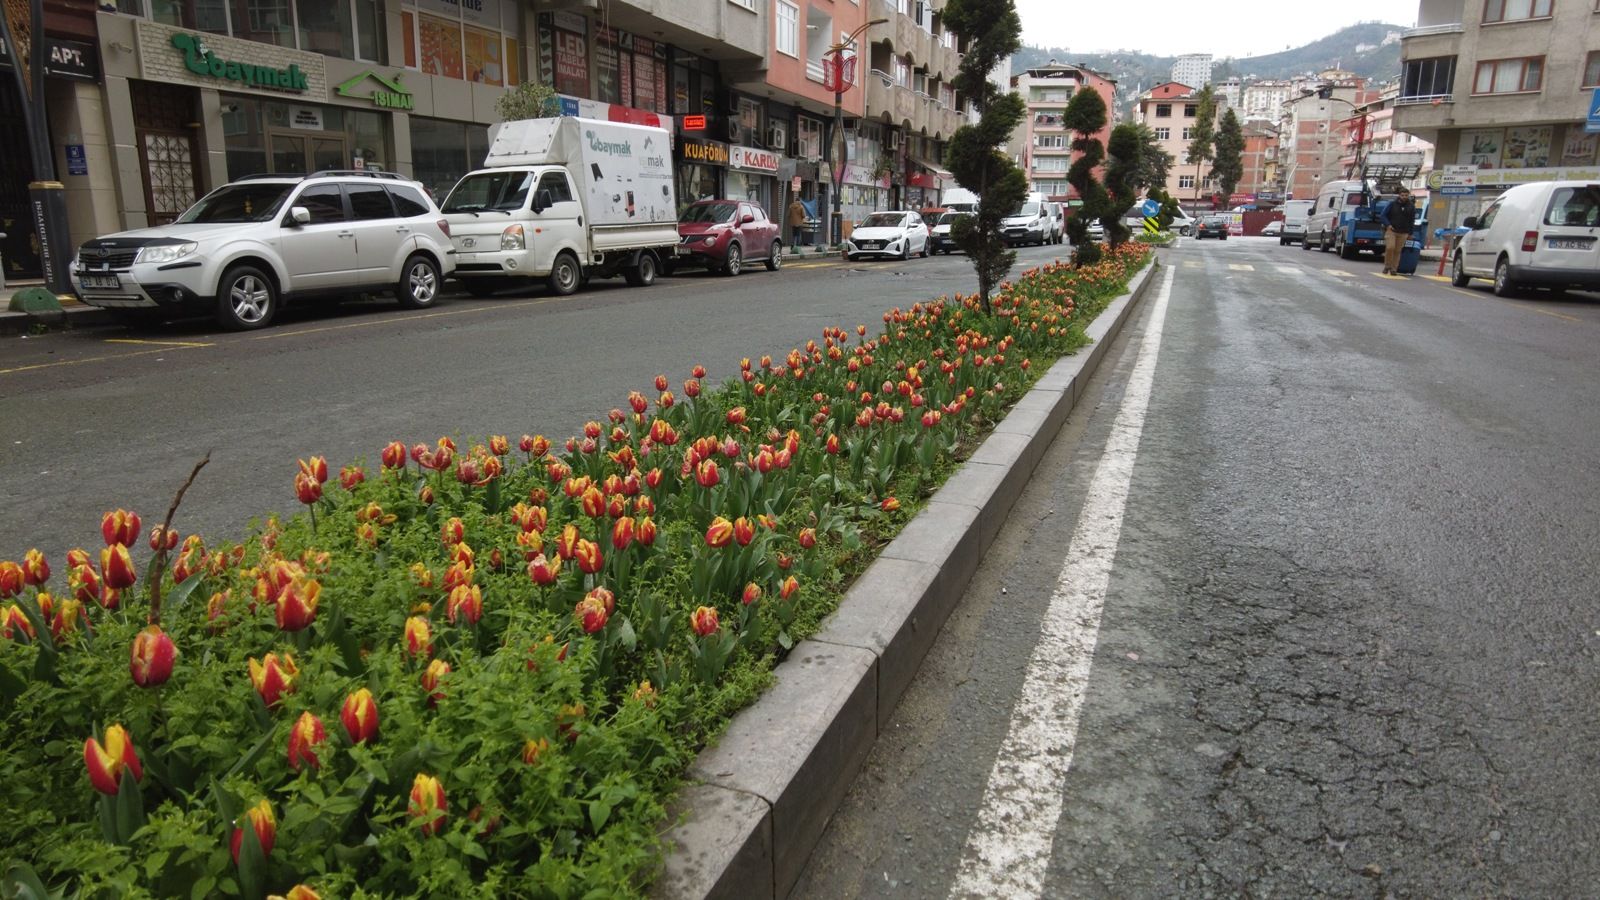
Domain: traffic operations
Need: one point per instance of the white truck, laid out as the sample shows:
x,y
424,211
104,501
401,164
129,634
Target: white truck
x,y
564,199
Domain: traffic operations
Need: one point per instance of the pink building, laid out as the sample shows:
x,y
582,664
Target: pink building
x,y
1042,144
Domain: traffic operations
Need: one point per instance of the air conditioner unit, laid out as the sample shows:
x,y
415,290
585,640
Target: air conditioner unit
x,y
735,133
777,138
894,140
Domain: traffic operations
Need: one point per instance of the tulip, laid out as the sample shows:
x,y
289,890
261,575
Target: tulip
x,y
790,585
592,430
591,613
466,602
637,401
730,448
152,657
431,678
645,530
543,570
261,820
531,543
315,468
350,476
359,716
14,621
622,532
427,803
890,504
304,738
719,533
35,569
832,445
646,693
808,538
662,432
536,446
463,553
460,572
394,455
736,416
587,553
65,618
120,527
743,531
706,473
298,892
273,677
499,445
11,579
307,489
593,502
116,567
85,584
217,605
698,371
752,593
297,604
108,761
426,495
532,750
691,388
419,637
567,543
704,621
618,507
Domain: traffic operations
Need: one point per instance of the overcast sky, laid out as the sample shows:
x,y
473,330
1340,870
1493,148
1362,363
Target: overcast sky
x,y
1171,27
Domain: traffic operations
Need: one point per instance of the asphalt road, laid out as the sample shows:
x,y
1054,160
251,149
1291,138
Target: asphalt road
x,y
108,417
1347,641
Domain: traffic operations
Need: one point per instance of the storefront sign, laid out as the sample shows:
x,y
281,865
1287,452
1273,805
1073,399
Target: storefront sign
x,y
694,123
77,160
305,118
699,151
753,159
613,112
67,59
200,61
388,93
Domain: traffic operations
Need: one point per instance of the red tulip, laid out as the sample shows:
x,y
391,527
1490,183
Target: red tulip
x,y
11,579
808,538
743,531
307,489
304,738
698,371
466,602
65,618
499,445
567,543
532,750
832,445
427,803
890,504
153,655
593,502
544,571
297,604
592,430
752,593
265,825
691,388
35,569
85,584
704,621
637,401
536,446
622,532
431,678
359,716
273,677
316,468
653,478
116,567
534,518
460,572
120,527
587,553
661,382
394,455
591,613
645,531
790,585
108,761
736,416
419,637
350,476
719,533
706,473
14,621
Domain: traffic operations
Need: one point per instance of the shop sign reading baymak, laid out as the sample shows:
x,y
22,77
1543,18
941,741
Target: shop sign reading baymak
x,y
388,93
200,61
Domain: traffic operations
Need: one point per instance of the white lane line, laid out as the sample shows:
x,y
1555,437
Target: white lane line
x,y
1193,264
1009,849
1241,267
1340,273
1289,270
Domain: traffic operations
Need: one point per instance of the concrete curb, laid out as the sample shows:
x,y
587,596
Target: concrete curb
x,y
765,791
15,323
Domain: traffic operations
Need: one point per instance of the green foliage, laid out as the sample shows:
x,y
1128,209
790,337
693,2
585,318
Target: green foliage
x,y
1204,132
529,100
1228,169
1084,117
994,32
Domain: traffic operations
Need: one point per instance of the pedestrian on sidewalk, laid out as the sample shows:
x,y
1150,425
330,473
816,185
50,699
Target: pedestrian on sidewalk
x,y
1398,220
797,221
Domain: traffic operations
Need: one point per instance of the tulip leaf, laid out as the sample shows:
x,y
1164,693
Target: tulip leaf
x,y
11,687
129,807
22,883
599,812
252,864
249,759
180,595
491,496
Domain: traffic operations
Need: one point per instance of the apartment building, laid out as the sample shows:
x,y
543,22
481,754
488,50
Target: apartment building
x,y
911,109
1502,85
1193,69
1171,111
1265,99
1044,145
1259,158
1314,130
1230,91
1370,128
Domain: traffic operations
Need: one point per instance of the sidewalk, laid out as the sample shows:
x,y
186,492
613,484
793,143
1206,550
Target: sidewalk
x,y
73,313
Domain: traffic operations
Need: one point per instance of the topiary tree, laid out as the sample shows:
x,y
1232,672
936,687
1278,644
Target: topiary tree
x,y
1123,164
1228,167
1085,116
994,32
529,100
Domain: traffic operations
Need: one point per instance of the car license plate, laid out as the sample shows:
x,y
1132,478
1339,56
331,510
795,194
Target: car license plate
x,y
100,282
1569,243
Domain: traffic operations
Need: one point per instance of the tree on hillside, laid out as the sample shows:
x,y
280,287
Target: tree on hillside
x,y
994,32
1202,134
1085,116
1228,166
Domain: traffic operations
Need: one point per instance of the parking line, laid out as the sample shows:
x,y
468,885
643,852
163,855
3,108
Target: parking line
x,y
385,320
1241,267
1193,264
94,359
1288,270
159,343
1516,305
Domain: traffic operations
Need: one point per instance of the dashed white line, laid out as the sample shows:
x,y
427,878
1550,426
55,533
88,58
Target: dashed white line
x,y
1340,273
1289,270
1241,267
1009,848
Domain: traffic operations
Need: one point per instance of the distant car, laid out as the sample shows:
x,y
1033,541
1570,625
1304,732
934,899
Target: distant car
x,y
722,234
896,234
1097,231
1273,229
1212,226
939,241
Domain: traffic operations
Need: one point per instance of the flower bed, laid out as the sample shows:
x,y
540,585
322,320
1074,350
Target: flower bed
x,y
481,672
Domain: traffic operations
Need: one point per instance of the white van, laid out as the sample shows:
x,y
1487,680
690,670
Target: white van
x,y
1030,224
1334,201
1295,215
1534,235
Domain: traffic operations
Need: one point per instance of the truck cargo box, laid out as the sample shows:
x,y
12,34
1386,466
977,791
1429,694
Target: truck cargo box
x,y
623,171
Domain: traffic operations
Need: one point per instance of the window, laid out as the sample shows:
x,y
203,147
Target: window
x,y
1186,181
788,28
810,138
465,41
369,201
324,202
1190,110
442,152
347,28
1591,69
1433,77
902,70
1163,110
556,184
1574,206
1050,164
1511,10
1163,134
407,201
1509,76
747,4
1188,134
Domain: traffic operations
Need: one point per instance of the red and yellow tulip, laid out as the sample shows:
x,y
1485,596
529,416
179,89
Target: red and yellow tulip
x,y
419,638
35,569
427,804
743,531
260,819
11,579
359,715
297,603
543,570
116,567
719,533
704,621
120,527
273,676
153,654
108,761
465,604
305,737
591,613
432,677
588,556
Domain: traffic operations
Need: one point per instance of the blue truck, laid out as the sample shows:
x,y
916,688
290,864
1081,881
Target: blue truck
x,y
1348,214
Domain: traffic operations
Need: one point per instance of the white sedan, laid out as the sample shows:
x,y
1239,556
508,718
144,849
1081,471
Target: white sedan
x,y
895,234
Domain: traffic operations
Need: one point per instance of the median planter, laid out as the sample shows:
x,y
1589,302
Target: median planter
x,y
471,669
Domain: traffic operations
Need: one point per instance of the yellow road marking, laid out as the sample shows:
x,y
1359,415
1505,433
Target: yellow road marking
x,y
1340,273
159,343
1192,264
384,320
1516,305
92,359
1444,278
1241,267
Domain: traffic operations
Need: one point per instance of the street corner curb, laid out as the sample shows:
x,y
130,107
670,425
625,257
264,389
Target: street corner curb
x,y
722,843
798,748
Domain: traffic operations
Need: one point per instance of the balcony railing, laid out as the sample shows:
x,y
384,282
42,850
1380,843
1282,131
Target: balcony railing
x,y
1426,30
1423,100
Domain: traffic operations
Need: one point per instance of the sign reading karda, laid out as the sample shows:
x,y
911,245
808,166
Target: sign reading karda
x,y
200,61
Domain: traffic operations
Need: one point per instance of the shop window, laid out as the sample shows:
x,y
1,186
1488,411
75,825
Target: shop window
x,y
440,44
267,21
607,69
369,201
442,152
460,40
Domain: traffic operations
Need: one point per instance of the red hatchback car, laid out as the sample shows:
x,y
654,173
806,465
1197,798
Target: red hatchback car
x,y
722,234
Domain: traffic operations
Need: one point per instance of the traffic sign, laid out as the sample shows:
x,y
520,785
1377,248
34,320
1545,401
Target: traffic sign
x,y
1151,207
1593,124
1151,226
1455,190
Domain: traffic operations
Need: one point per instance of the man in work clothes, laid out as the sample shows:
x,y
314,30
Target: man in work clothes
x,y
1397,223
797,220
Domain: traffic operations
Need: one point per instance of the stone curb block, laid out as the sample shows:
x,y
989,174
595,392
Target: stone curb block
x,y
769,786
14,323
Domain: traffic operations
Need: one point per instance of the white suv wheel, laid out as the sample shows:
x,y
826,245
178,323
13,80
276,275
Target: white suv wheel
x,y
247,299
419,288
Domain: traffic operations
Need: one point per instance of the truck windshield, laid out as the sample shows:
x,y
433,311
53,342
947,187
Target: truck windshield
x,y
498,191
1575,206
709,213
1027,209
245,202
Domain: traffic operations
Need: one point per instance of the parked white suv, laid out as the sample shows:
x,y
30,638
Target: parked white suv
x,y
1545,234
248,246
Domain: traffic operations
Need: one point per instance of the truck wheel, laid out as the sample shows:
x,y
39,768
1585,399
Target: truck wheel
x,y
735,262
1345,250
419,283
565,275
1503,285
246,299
479,287
1458,273
642,273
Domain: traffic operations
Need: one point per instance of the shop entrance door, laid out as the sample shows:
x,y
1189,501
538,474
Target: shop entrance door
x,y
304,153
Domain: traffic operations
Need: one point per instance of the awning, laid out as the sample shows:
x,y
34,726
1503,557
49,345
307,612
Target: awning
x,y
941,176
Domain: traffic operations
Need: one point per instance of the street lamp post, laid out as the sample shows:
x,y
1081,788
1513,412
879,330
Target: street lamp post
x,y
46,196
836,52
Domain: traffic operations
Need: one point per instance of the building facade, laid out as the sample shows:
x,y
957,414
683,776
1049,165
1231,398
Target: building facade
x,y
1230,92
1503,86
1313,133
1045,144
1171,111
1193,69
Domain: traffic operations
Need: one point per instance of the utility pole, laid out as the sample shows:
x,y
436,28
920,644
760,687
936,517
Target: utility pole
x,y
47,201
834,69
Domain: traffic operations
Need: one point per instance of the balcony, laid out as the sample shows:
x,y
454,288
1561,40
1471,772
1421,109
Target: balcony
x,y
884,96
